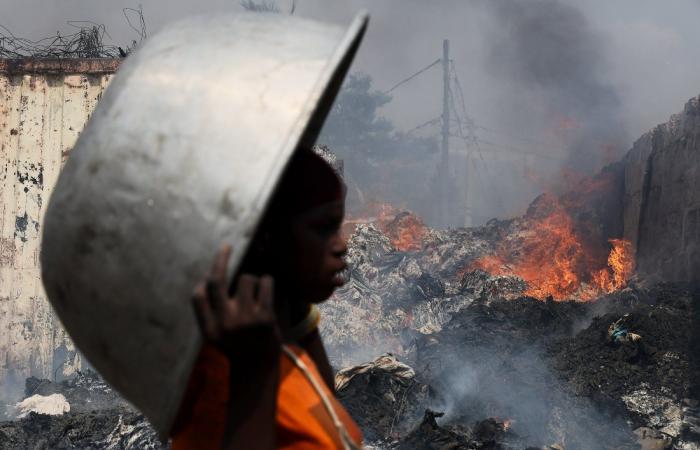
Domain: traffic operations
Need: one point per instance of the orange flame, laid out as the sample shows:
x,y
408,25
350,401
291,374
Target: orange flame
x,y
507,423
404,229
620,267
551,258
407,232
547,261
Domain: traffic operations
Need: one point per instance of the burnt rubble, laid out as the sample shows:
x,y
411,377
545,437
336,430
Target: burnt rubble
x,y
536,373
397,397
98,419
473,362
539,374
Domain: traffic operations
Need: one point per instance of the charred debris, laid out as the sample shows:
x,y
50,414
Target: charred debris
x,y
544,331
535,332
474,362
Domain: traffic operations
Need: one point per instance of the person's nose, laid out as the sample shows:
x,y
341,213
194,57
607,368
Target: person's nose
x,y
339,246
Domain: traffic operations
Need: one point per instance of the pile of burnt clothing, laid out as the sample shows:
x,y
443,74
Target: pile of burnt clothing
x,y
393,295
485,435
385,397
82,412
393,408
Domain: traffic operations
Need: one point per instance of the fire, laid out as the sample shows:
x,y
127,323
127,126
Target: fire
x,y
504,424
507,424
620,267
551,257
405,230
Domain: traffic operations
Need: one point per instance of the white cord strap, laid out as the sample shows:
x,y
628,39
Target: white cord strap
x,y
347,442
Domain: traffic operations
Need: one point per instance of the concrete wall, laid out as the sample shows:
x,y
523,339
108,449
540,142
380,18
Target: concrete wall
x,y
662,198
44,106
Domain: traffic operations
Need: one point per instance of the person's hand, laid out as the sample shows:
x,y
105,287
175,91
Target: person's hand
x,y
244,326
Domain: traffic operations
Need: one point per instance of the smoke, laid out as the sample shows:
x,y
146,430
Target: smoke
x,y
549,84
515,384
557,67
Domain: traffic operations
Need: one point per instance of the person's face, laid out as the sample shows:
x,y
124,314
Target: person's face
x,y
318,248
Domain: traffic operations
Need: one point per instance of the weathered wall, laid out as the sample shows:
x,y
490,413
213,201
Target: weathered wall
x,y
662,198
44,106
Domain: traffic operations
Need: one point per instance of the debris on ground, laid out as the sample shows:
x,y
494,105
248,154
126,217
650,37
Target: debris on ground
x,y
52,405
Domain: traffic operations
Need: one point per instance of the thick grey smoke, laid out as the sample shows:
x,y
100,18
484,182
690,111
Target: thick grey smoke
x,y
549,83
549,50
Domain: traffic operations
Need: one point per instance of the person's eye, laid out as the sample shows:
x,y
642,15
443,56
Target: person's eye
x,y
328,228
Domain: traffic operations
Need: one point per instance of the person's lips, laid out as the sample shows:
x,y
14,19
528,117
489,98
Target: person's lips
x,y
338,279
340,276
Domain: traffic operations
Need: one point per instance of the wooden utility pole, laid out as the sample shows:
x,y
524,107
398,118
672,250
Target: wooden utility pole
x,y
445,159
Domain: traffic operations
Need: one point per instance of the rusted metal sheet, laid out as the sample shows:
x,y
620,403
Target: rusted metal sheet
x,y
24,66
41,115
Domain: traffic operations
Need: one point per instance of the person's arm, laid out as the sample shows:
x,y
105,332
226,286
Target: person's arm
x,y
245,329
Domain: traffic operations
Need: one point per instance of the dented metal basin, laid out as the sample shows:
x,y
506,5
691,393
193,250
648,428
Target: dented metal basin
x,y
180,156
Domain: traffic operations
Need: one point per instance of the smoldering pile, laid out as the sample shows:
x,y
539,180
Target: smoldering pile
x,y
460,357
506,369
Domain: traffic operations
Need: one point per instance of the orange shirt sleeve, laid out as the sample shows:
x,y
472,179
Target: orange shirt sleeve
x,y
302,421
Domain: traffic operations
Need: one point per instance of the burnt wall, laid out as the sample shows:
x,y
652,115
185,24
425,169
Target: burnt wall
x,y
662,198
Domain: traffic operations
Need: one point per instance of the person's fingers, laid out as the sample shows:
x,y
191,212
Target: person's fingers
x,y
218,271
245,291
215,295
266,294
203,312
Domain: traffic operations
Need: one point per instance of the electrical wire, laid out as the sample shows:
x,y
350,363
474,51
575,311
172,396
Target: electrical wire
x,y
406,80
430,122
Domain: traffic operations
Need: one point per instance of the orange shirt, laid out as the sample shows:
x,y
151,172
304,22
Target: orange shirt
x,y
303,423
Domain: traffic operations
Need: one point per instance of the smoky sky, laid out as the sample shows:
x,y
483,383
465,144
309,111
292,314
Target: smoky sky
x,y
556,82
549,49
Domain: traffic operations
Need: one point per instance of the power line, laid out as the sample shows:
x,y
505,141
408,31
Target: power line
x,y
471,123
434,63
434,121
471,140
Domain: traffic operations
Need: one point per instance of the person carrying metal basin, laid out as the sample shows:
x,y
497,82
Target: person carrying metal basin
x,y
192,231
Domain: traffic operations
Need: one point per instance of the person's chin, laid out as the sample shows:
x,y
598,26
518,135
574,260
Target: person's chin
x,y
324,293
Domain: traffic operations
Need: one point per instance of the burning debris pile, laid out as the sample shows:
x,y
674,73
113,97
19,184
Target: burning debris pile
x,y
542,373
567,247
532,333
404,275
478,361
525,333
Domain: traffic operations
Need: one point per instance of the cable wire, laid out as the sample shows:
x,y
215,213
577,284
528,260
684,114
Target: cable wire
x,y
406,80
434,121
